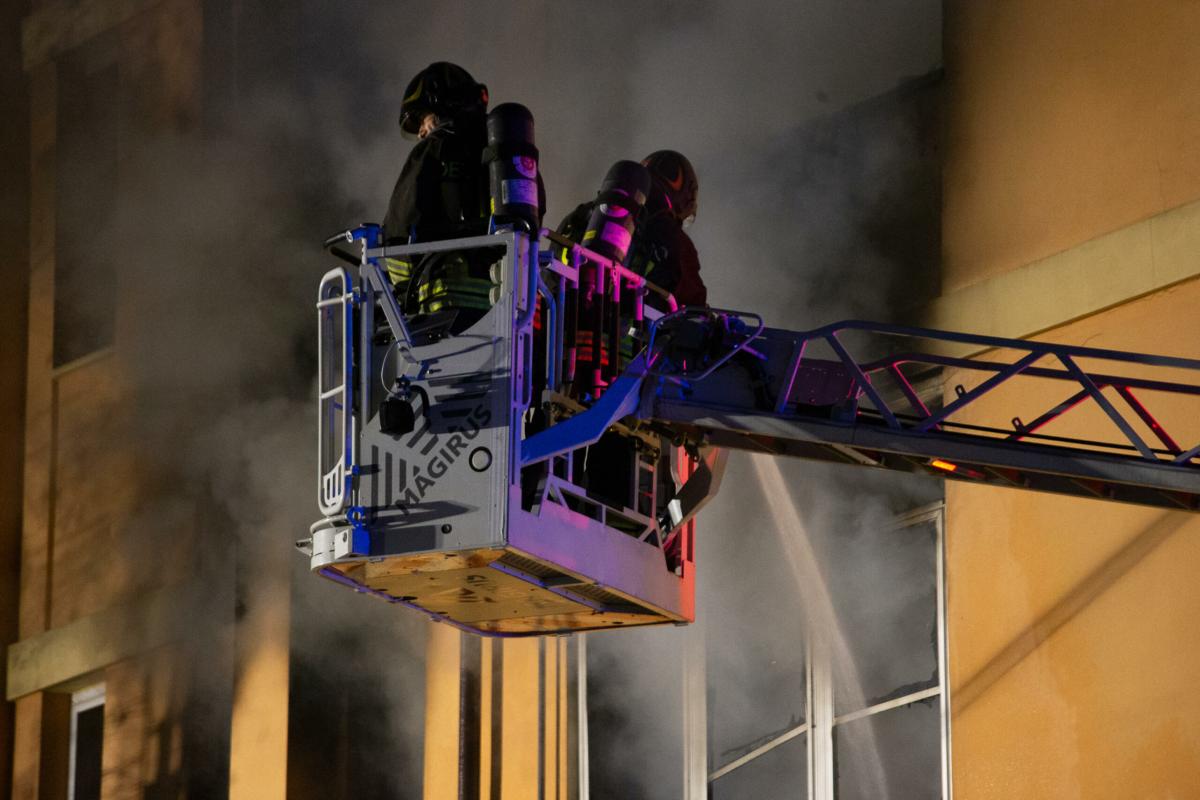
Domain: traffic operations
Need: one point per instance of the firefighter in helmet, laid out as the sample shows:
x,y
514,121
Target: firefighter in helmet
x,y
661,250
442,193
442,190
663,253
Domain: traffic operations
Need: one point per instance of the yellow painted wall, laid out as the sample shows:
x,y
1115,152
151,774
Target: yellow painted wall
x,y
1073,638
517,720
1073,644
1064,121
82,558
14,272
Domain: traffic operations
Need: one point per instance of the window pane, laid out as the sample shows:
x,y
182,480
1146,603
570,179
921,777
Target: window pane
x,y
753,613
89,740
759,701
895,753
778,774
884,591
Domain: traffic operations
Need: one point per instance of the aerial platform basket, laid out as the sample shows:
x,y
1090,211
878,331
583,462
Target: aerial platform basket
x,y
457,471
431,511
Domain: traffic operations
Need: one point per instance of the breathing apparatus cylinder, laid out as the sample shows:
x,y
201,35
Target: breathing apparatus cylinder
x,y
609,233
512,165
610,227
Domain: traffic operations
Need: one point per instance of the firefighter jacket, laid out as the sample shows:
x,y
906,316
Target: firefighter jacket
x,y
442,190
442,193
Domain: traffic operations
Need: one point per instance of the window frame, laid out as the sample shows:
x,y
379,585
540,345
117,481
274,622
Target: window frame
x,y
821,723
81,701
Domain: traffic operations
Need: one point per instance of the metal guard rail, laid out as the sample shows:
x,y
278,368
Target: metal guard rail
x,y
1088,385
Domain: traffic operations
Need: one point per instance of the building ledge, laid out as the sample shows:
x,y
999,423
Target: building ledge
x,y
1109,270
90,643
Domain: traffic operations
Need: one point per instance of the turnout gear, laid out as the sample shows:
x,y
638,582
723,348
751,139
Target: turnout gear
x,y
664,253
442,193
661,251
444,89
442,189
674,176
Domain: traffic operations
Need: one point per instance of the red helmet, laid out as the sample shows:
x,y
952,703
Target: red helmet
x,y
673,173
444,89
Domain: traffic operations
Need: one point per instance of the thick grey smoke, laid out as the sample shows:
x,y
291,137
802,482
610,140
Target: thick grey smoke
x,y
219,274
223,237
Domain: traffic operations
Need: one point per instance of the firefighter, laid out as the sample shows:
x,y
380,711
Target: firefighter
x,y
442,193
442,190
662,251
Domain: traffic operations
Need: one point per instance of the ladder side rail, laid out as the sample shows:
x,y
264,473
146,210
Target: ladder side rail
x,y
1184,458
1032,464
1023,430
1122,385
989,342
914,400
791,372
335,299
933,359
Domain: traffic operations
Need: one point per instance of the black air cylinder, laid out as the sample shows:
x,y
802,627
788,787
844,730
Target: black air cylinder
x,y
622,195
512,164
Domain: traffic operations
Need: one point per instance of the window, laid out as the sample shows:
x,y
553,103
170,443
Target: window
x,y
85,202
864,713
87,744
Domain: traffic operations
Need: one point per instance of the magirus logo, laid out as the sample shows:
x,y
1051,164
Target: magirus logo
x,y
425,477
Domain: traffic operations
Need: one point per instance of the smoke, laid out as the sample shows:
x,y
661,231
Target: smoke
x,y
218,273
219,265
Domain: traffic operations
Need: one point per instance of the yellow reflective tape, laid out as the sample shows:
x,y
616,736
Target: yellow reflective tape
x,y
416,92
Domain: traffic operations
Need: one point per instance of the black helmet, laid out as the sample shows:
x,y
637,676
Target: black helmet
x,y
673,174
444,89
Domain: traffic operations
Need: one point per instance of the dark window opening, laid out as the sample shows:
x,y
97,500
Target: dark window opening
x,y
85,202
87,751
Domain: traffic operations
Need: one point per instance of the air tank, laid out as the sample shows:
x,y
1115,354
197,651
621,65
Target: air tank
x,y
512,165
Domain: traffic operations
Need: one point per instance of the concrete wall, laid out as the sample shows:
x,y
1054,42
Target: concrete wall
x,y
1071,179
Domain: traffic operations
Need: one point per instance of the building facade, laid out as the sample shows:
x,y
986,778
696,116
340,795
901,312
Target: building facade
x,y
162,649
1072,175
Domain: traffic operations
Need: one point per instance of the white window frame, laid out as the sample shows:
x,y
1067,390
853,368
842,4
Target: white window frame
x,y
819,681
82,700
